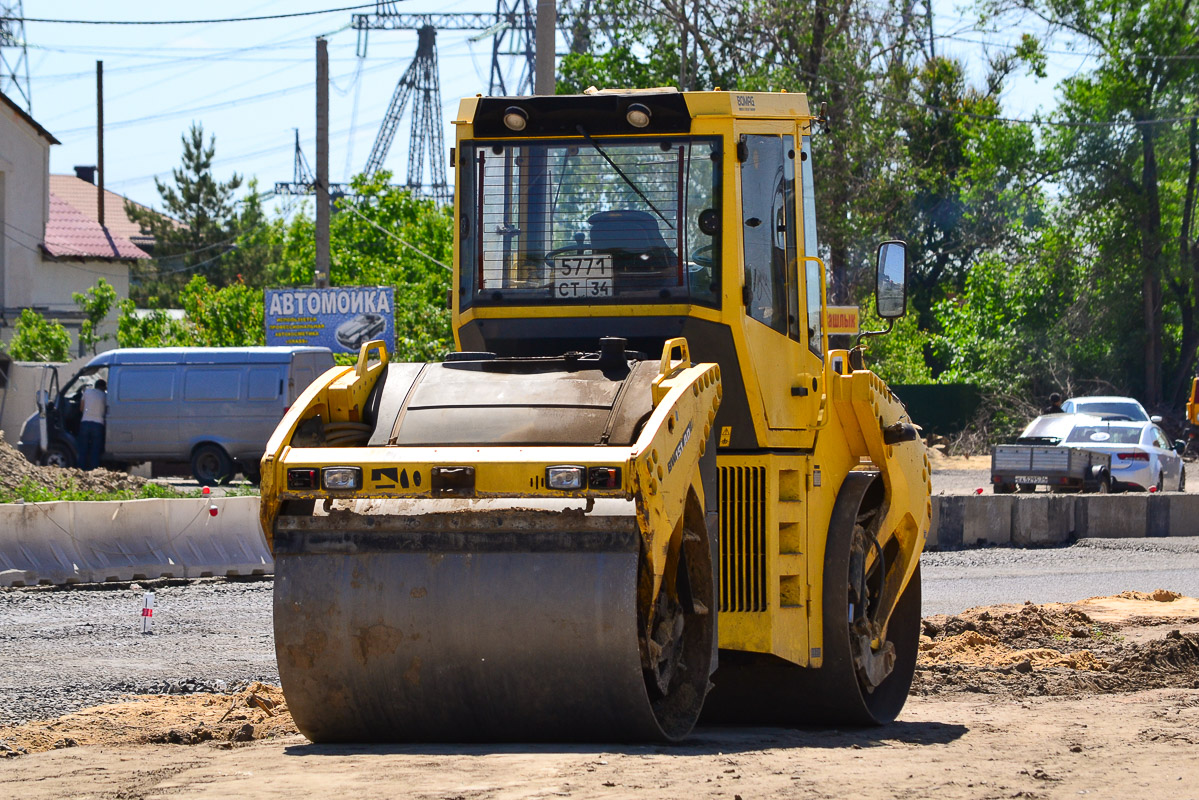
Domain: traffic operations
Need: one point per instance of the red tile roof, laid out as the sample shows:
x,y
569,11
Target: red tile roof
x,y
71,234
81,195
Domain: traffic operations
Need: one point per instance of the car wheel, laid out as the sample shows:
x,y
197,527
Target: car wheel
x,y
59,454
211,465
1182,479
1161,481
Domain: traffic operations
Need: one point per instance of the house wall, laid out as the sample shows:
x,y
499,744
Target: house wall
x,y
55,281
24,207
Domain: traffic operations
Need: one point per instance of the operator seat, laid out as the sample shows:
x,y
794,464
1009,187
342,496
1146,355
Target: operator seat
x,y
641,258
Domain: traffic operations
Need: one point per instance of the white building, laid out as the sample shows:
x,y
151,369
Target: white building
x,y
53,244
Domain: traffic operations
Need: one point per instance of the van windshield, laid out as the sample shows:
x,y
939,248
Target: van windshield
x,y
582,221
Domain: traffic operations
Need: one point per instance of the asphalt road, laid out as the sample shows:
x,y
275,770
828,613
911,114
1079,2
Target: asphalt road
x,y
955,581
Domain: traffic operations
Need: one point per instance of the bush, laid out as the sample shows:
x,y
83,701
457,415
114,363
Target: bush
x,y
38,339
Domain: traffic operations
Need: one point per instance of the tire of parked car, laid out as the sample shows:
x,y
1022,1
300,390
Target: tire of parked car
x,y
211,465
60,454
1182,479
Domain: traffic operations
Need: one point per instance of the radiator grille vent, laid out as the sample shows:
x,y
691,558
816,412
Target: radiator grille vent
x,y
743,539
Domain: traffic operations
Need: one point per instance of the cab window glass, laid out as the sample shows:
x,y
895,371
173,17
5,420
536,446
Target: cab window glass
x,y
813,274
768,226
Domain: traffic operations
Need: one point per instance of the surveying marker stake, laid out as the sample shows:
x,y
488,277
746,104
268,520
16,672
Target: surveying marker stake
x,y
148,612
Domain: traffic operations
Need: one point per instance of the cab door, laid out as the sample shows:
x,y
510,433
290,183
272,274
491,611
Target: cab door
x,y
769,232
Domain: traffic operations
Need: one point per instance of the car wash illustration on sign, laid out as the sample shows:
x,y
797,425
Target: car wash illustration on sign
x,y
342,318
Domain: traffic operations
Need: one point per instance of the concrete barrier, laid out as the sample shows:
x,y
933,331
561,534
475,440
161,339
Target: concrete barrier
x,y
228,544
123,540
1113,516
1183,518
39,547
987,519
1042,519
81,542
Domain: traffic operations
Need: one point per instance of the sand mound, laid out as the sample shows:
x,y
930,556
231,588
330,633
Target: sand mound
x,y
976,649
257,712
1157,596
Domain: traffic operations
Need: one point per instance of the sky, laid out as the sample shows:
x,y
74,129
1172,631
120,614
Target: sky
x,y
251,83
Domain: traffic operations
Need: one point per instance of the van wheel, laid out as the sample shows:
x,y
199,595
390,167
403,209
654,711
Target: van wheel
x,y
211,465
59,454
252,472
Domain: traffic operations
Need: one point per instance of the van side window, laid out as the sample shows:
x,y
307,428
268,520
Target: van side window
x,y
264,384
147,384
212,384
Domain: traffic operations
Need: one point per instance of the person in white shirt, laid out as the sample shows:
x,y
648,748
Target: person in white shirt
x,y
91,426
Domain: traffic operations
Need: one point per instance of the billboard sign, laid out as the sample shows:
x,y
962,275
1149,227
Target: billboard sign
x,y
843,319
341,318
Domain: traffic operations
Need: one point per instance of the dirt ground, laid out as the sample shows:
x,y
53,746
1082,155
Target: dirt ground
x,y
1099,697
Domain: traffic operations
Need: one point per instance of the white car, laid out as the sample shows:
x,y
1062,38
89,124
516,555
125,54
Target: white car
x,y
1142,456
1109,407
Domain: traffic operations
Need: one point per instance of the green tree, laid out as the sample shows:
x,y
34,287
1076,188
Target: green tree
x,y
151,327
1128,141
37,339
95,305
196,228
231,316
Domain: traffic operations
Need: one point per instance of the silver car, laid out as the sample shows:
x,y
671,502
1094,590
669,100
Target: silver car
x,y
1142,456
1109,407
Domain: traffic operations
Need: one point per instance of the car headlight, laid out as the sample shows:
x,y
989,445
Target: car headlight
x,y
341,478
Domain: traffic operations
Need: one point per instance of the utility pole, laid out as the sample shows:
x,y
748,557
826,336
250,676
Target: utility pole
x,y
320,277
100,142
547,27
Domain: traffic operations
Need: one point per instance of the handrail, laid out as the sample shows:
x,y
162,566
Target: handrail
x,y
373,344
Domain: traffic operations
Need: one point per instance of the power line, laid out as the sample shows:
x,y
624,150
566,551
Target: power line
x,y
386,232
190,21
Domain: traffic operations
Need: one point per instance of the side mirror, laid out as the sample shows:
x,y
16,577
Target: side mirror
x,y
1156,419
1180,446
891,276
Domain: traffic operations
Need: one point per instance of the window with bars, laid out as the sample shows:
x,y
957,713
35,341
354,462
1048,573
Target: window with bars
x,y
588,221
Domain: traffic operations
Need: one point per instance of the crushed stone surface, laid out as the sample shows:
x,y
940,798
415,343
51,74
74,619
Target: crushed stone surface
x,y
75,670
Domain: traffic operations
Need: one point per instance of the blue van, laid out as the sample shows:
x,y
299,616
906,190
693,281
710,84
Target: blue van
x,y
210,407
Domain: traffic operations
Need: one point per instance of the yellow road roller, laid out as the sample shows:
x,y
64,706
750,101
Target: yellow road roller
x,y
643,490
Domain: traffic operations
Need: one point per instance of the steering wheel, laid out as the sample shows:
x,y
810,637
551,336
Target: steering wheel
x,y
704,256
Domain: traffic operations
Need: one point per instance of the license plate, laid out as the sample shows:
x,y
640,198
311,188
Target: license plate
x,y
1032,479
583,276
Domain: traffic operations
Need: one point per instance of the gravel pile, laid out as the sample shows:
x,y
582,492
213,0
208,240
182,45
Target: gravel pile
x,y
16,470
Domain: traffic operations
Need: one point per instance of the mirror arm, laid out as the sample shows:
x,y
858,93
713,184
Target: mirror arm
x,y
886,330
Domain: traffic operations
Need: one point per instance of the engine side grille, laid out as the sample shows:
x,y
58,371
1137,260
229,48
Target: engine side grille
x,y
743,539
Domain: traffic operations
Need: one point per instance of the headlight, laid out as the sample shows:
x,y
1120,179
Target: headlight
x,y
341,478
564,477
